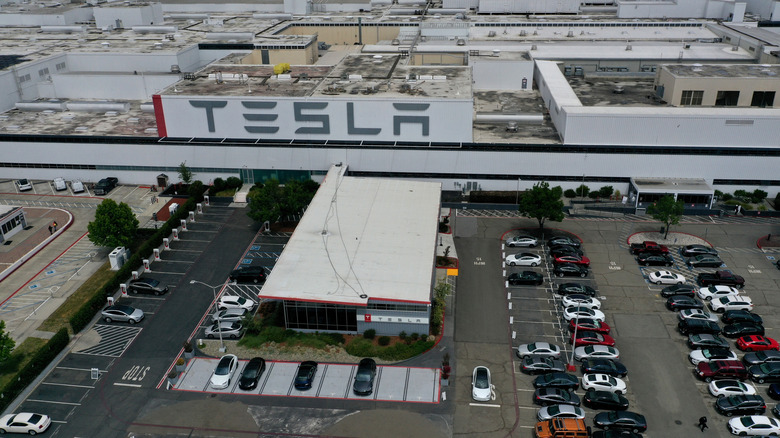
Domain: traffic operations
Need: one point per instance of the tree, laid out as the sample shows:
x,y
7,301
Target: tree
x,y
606,191
272,201
582,190
185,174
6,343
542,203
114,224
667,210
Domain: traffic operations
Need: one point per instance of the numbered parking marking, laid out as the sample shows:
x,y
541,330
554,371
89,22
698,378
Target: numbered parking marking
x,y
136,373
614,266
479,262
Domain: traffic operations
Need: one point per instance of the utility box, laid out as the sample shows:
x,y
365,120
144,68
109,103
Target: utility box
x,y
172,208
118,257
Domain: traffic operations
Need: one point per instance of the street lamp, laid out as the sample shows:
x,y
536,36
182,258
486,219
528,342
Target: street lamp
x,y
216,310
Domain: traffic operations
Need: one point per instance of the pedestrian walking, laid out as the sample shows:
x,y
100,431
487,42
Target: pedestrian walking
x,y
50,230
54,225
703,423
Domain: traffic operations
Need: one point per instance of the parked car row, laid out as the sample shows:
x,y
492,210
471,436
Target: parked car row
x,y
59,184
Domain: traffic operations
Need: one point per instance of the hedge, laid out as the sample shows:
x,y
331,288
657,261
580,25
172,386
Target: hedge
x,y
34,367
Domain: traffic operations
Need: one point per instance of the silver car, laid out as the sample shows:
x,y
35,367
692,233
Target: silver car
x,y
229,315
122,313
229,329
522,241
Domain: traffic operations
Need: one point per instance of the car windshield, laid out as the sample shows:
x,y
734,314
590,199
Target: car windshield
x,y
252,369
554,410
612,381
481,381
365,376
765,368
735,400
241,300
35,418
747,421
23,182
223,367
303,372
151,282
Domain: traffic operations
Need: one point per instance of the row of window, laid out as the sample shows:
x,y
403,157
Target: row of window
x,y
397,307
319,316
760,99
11,224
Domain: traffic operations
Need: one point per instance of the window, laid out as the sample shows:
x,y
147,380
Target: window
x,y
24,78
691,97
60,66
763,99
43,72
727,98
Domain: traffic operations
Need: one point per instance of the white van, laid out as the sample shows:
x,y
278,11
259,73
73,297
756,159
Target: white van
x,y
59,184
77,186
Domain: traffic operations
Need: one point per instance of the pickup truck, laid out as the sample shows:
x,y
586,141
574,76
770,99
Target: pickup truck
x,y
105,185
648,247
725,278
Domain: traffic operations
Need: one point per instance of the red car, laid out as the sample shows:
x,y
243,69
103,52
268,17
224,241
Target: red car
x,y
757,343
573,258
587,337
593,325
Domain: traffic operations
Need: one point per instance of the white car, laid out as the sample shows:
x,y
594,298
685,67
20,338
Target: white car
x,y
25,422
710,292
539,349
603,382
696,314
731,302
59,184
560,411
754,425
23,185
523,259
596,351
707,355
235,302
77,186
522,241
570,313
729,387
224,371
234,314
481,384
665,277
579,300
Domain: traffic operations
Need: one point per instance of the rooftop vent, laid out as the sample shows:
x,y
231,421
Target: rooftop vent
x,y
618,89
461,42
492,33
628,47
570,34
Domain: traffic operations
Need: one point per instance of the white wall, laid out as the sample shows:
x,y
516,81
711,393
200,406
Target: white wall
x,y
97,86
122,62
150,14
491,73
675,9
237,8
457,4
529,6
764,8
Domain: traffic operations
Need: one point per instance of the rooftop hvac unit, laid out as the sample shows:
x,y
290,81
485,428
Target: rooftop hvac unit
x,y
686,46
461,42
570,34
496,52
492,33
618,89
523,33
628,47
175,69
396,42
511,127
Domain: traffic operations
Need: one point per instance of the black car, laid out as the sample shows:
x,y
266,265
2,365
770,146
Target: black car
x,y
248,274
603,366
555,396
759,357
534,364
739,329
766,372
105,185
694,250
740,405
705,261
146,286
648,259
678,289
576,288
525,277
557,380
774,391
615,434
563,240
680,302
364,377
305,375
732,316
706,340
605,400
621,420
697,326
570,269
565,249
251,374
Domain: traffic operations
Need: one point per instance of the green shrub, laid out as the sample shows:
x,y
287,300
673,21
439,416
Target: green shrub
x,y
762,207
593,195
582,190
361,347
218,185
335,338
401,351
606,191
742,195
727,197
369,334
570,193
414,337
402,335
777,201
233,183
758,196
384,341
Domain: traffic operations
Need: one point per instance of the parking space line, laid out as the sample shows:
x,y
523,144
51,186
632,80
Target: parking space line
x,y
193,240
484,405
176,261
167,272
406,382
79,369
54,402
535,322
134,385
322,380
183,250
134,296
265,379
378,380
68,385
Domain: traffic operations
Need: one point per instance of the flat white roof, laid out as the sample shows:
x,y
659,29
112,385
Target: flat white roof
x,y
361,236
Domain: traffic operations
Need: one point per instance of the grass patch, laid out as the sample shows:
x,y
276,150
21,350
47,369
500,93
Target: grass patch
x,y
62,315
290,338
22,354
226,193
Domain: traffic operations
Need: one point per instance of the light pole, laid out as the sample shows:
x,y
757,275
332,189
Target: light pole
x,y
216,310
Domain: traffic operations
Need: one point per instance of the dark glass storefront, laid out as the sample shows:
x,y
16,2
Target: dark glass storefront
x,y
302,315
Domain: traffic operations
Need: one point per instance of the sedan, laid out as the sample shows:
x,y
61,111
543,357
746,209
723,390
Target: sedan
x,y
646,259
593,325
591,338
304,377
575,300
605,400
557,380
541,365
560,411
365,374
223,373
766,372
576,288
122,313
621,420
572,258
555,396
229,315
710,354
525,278
615,434
705,261
710,292
563,240
742,328
570,313
740,405
23,185
248,274
729,387
678,289
596,351
25,422
774,391
760,357
564,249
251,374
235,302
539,349
481,384
694,250
680,302
665,277
523,240
225,329
696,314
523,259
603,366
603,382
731,302
732,316
706,340
756,343
146,285
569,269
754,425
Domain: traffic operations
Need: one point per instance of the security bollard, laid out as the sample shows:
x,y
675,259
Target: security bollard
x,y
166,244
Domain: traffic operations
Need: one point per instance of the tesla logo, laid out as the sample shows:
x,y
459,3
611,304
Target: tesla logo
x,y
367,317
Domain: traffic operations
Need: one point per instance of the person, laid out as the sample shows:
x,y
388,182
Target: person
x,y
50,230
54,225
703,423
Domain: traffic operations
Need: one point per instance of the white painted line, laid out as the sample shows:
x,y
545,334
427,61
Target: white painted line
x,y
145,298
59,421
510,305
485,405
529,407
127,384
54,402
536,322
80,369
444,396
67,384
525,390
511,319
